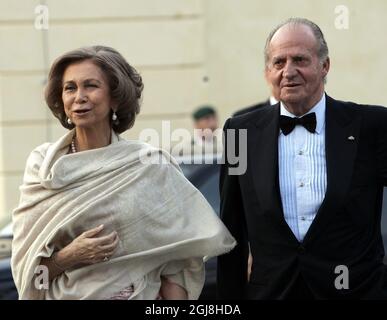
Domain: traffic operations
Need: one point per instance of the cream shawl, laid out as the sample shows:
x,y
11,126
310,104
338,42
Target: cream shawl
x,y
165,225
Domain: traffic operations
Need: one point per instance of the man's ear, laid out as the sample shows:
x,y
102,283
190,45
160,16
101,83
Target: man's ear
x,y
266,73
326,65
267,78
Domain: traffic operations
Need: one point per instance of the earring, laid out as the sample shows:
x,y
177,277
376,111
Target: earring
x,y
69,121
114,116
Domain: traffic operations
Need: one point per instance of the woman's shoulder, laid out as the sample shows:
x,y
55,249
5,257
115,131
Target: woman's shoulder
x,y
40,151
142,146
149,154
34,161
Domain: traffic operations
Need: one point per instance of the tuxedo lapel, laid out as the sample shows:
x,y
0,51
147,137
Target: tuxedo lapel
x,y
263,161
341,137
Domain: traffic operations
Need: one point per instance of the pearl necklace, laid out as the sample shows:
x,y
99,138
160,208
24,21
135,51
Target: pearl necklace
x,y
73,149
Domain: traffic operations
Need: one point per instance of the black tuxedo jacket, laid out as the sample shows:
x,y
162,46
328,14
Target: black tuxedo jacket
x,y
346,229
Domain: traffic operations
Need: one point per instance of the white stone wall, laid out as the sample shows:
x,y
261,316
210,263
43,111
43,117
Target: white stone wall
x,y
189,52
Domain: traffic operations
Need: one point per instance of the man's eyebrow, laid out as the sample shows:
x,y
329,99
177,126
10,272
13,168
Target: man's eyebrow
x,y
300,56
278,58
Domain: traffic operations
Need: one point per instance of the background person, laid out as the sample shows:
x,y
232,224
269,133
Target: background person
x,y
206,137
273,99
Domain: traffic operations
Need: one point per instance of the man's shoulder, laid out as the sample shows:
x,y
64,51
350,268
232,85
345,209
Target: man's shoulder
x,y
373,117
366,110
354,105
244,119
251,108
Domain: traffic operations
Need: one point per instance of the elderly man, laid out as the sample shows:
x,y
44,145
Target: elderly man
x,y
310,201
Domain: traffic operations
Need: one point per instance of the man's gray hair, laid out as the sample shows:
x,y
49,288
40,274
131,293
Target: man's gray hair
x,y
322,50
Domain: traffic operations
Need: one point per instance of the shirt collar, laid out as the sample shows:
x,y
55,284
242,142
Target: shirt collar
x,y
319,109
273,101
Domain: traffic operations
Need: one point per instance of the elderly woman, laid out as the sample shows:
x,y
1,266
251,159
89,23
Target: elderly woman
x,y
101,217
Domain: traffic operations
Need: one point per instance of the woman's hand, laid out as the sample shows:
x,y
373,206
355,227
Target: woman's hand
x,y
83,250
87,249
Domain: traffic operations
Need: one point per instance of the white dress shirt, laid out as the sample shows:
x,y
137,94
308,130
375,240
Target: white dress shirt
x,y
302,171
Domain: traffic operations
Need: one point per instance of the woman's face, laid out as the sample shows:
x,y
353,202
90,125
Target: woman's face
x,y
86,95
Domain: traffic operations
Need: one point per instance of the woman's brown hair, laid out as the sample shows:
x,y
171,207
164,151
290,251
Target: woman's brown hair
x,y
125,84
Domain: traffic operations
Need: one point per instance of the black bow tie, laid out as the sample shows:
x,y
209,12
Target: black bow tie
x,y
309,122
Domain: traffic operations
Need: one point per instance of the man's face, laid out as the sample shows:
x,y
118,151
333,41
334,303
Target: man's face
x,y
294,70
207,122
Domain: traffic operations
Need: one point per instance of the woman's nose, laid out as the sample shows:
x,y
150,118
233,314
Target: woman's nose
x,y
80,97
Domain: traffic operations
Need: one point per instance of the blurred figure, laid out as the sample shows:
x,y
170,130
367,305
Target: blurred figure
x,y
207,136
269,102
273,99
206,118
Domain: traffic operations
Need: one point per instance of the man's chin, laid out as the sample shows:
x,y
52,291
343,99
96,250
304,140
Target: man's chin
x,y
291,99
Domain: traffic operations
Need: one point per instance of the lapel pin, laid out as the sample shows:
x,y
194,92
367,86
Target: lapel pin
x,y
351,138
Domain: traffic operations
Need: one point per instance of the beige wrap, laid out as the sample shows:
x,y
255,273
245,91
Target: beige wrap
x,y
164,224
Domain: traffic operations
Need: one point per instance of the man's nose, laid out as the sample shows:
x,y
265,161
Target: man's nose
x,y
289,71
